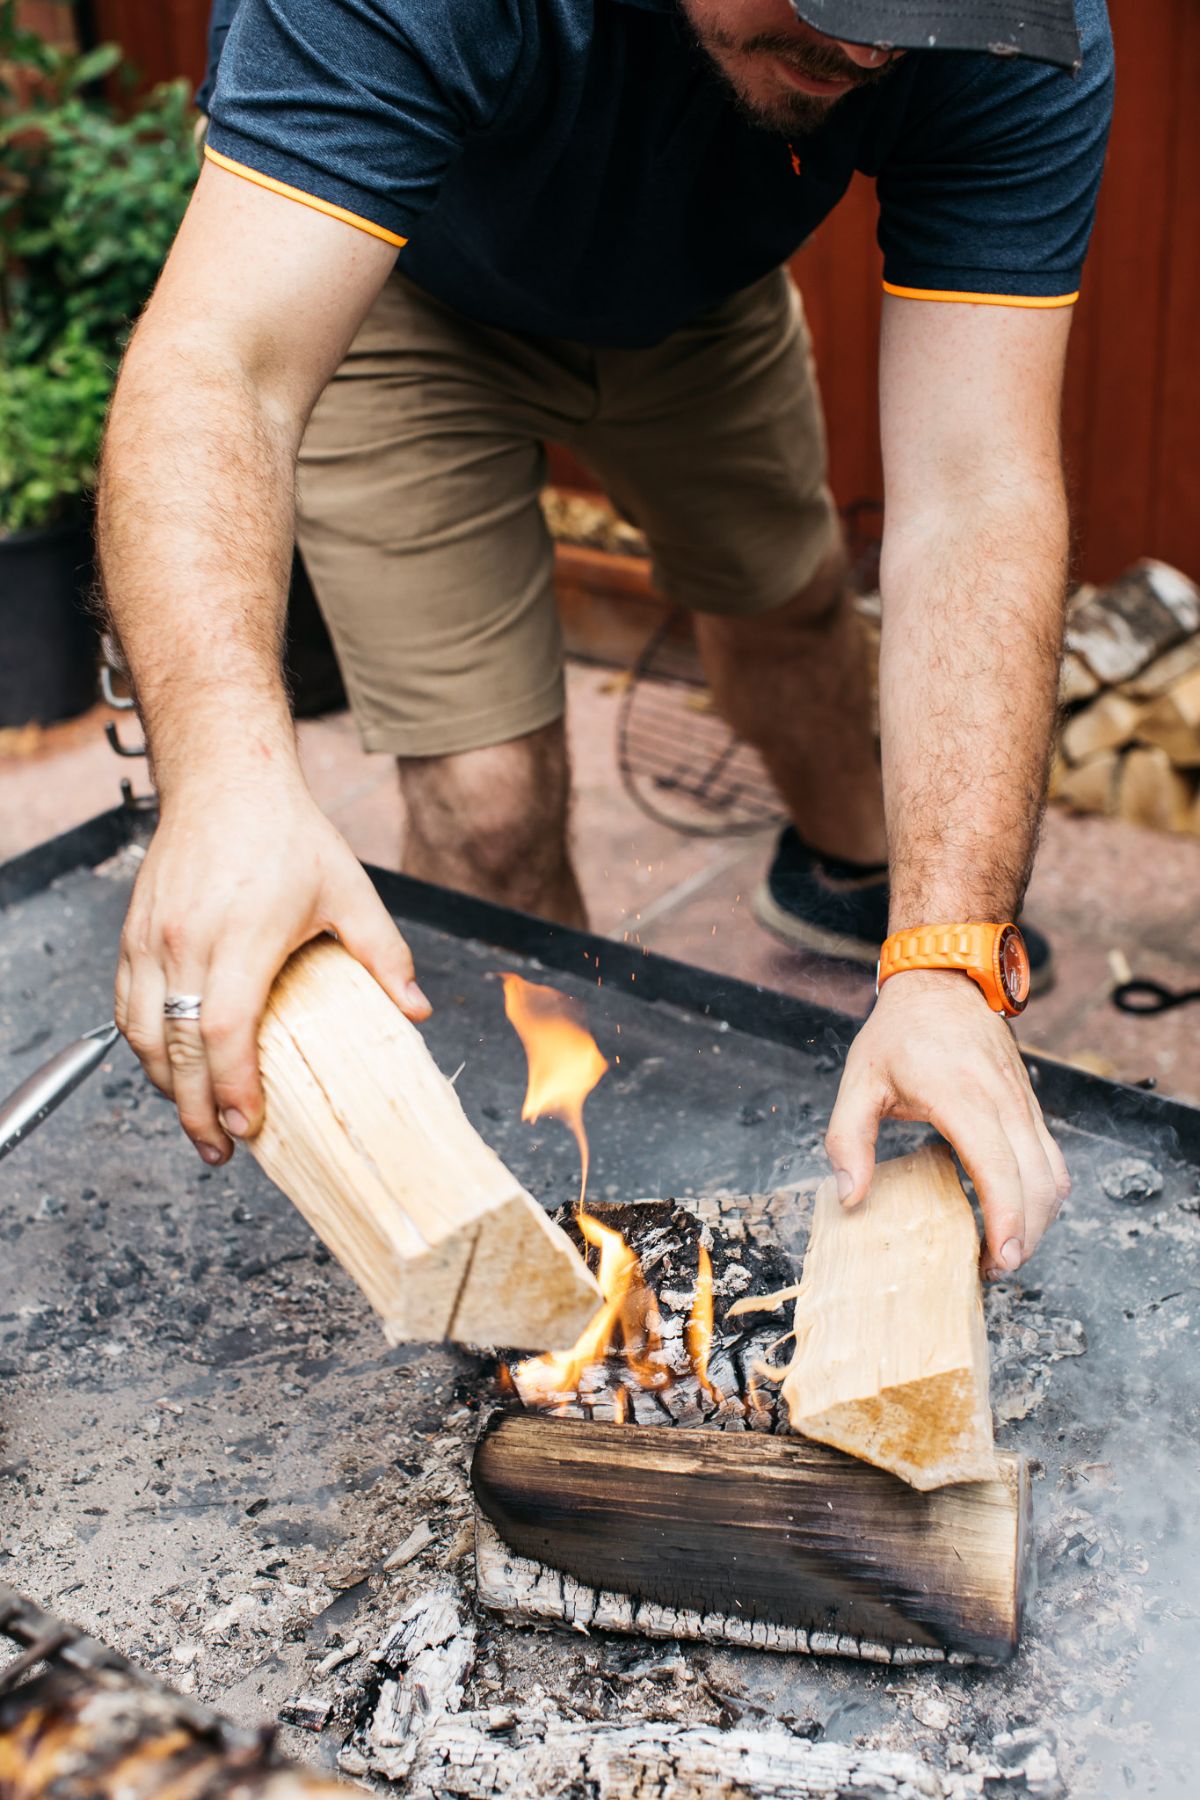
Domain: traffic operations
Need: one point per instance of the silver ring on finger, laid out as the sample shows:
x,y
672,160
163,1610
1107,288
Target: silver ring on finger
x,y
181,1006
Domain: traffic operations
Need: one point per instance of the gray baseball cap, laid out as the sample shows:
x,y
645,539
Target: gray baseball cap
x,y
1042,29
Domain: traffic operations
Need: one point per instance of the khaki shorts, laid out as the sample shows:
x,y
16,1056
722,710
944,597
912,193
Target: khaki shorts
x,y
418,497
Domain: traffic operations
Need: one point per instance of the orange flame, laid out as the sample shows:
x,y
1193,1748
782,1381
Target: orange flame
x,y
620,1405
565,1062
628,1315
565,1065
700,1327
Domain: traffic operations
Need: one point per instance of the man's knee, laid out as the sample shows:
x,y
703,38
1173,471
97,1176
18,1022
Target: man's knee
x,y
499,812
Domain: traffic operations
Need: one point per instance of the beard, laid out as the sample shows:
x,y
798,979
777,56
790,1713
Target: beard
x,y
787,111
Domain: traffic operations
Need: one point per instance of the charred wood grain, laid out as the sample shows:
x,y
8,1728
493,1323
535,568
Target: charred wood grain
x,y
106,1735
778,1532
480,1756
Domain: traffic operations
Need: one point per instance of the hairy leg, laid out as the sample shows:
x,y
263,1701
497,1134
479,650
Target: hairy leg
x,y
493,823
793,682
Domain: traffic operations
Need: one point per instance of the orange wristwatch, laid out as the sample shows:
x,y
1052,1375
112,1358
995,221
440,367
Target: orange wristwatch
x,y
994,956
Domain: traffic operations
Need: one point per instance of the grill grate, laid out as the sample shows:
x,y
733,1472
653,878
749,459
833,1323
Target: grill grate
x,y
679,761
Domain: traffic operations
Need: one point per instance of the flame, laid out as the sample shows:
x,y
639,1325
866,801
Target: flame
x,y
700,1327
620,1405
565,1062
628,1316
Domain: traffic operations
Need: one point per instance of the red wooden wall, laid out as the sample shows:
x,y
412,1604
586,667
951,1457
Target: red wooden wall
x,y
1133,396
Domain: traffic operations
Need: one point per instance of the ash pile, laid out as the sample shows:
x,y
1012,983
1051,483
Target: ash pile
x,y
458,1703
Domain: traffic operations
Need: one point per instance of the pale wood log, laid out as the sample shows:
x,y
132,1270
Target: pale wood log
x,y
891,1356
1107,724
1090,787
742,1537
368,1138
1119,629
1075,681
1152,791
517,1755
1172,723
1164,671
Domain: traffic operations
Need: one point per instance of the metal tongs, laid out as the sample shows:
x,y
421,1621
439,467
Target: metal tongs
x,y
49,1086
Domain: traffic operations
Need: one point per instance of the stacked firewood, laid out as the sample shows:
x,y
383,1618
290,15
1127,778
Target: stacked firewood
x,y
1129,745
1130,740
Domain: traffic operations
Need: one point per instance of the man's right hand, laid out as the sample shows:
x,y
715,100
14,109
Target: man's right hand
x,y
224,896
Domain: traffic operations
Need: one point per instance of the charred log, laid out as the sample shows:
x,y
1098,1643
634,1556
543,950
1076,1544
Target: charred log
x,y
777,1533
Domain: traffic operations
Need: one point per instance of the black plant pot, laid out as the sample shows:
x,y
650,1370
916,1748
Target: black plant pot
x,y
47,641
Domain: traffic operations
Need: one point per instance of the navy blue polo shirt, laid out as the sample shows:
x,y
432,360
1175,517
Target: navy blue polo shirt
x,y
578,169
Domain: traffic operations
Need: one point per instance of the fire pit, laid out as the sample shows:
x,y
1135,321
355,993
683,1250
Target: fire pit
x,y
207,1460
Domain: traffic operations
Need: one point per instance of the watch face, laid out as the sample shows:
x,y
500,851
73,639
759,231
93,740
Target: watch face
x,y
1013,960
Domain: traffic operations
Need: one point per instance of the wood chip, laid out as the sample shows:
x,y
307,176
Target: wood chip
x,y
418,1539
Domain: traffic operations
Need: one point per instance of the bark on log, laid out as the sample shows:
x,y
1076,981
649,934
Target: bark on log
x,y
1120,628
1172,723
891,1357
1151,791
737,1537
494,1756
368,1138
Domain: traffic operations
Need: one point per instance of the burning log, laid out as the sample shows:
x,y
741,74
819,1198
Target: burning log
x,y
761,1540
891,1357
368,1138
93,1727
105,1739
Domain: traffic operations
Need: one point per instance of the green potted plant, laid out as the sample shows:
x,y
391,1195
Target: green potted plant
x,y
90,199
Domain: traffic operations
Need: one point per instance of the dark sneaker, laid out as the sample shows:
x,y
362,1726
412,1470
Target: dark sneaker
x,y
840,909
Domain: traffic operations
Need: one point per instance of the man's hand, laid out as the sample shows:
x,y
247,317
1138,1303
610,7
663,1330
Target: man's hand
x,y
223,898
934,1050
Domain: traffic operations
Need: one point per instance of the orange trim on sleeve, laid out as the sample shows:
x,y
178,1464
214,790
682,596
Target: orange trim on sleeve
x,y
291,193
1038,301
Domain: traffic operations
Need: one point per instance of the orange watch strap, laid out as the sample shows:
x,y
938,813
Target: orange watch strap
x,y
969,946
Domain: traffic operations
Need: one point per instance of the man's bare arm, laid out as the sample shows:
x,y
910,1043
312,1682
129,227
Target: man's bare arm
x,y
973,581
256,306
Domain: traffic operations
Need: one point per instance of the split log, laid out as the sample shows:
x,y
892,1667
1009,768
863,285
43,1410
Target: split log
x,y
1090,786
1151,791
368,1138
1075,681
891,1357
1172,723
736,1537
498,1754
1164,671
1119,629
1108,723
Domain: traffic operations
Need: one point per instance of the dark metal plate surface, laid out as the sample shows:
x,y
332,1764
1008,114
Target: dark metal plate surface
x,y
134,1282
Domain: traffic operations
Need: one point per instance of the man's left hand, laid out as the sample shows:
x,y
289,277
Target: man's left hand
x,y
934,1050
